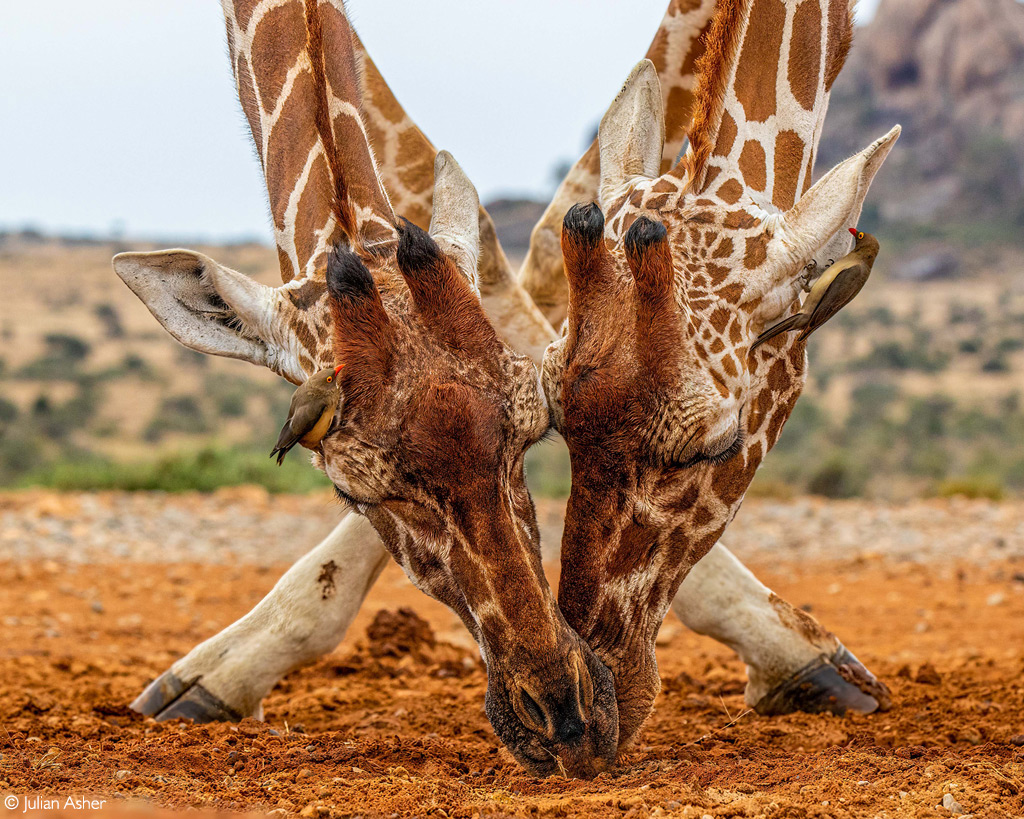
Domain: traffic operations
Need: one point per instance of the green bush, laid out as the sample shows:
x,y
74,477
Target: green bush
x,y
203,471
179,413
971,488
62,359
837,478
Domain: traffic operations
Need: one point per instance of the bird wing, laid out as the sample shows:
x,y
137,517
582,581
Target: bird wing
x,y
838,294
302,419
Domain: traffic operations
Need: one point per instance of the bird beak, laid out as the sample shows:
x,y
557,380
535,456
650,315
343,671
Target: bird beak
x,y
853,231
338,369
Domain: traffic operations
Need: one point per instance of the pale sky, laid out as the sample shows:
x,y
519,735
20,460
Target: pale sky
x,y
122,114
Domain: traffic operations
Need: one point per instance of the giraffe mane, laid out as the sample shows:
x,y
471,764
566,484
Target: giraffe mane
x,y
341,204
712,69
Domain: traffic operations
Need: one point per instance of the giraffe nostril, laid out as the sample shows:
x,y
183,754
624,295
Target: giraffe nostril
x,y
570,730
534,714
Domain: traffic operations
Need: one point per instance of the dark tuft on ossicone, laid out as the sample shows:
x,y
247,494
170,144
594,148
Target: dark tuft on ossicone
x,y
347,276
585,221
417,251
642,234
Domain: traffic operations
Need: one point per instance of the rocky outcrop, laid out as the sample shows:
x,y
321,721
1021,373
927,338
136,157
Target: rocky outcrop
x,y
952,73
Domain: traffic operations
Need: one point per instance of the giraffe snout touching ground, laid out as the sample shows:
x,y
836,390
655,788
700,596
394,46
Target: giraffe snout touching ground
x,y
556,712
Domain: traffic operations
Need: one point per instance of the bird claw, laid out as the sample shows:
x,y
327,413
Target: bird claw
x,y
810,272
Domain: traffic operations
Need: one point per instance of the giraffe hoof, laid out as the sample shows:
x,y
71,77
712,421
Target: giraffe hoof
x,y
170,697
836,685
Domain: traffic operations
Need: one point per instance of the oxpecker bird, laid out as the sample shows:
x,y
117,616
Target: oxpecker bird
x,y
311,412
833,290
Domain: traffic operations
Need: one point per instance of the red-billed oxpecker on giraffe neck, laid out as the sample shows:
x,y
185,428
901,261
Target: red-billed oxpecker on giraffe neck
x,y
665,415
436,412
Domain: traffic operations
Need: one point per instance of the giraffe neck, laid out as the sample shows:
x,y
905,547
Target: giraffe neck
x,y
765,83
271,61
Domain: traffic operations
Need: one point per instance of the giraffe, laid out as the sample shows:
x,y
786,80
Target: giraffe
x,y
228,675
667,415
437,412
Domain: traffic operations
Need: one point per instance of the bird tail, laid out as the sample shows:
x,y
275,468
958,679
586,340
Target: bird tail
x,y
775,329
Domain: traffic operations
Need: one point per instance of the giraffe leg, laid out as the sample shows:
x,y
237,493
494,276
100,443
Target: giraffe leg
x,y
793,663
303,617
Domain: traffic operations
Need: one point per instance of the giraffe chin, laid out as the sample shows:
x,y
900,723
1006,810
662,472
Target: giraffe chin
x,y
637,684
569,727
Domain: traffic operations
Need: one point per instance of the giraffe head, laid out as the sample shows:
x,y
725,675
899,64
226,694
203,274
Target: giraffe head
x,y
436,411
665,412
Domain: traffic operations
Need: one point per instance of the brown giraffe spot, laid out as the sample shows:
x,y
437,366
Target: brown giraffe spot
x,y
287,273
279,40
731,480
729,365
740,220
730,192
657,202
307,294
724,249
762,49
243,12
762,406
698,305
306,363
664,186
250,105
799,621
805,53
291,139
656,53
777,377
326,579
305,337
709,175
686,501
839,39
735,333
677,7
313,210
789,160
703,217
753,165
702,516
704,203
727,132
757,251
719,319
717,346
809,172
731,292
678,106
717,272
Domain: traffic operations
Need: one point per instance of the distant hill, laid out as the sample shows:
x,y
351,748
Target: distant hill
x,y
951,72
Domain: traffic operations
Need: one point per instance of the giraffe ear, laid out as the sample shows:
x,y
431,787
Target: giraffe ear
x,y
454,222
213,309
632,132
816,225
